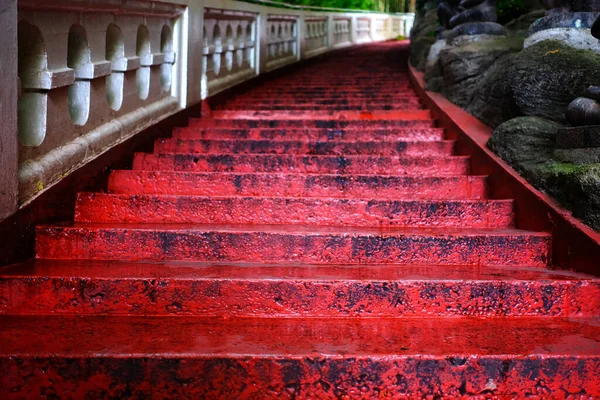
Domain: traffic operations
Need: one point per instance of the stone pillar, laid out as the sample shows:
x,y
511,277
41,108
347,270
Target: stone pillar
x,y
195,24
262,36
330,29
353,29
373,28
8,108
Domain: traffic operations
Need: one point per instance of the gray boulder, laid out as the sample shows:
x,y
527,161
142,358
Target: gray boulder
x,y
525,142
547,76
577,187
493,101
465,64
519,26
423,34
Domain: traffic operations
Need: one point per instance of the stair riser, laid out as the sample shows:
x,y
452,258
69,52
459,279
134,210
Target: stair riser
x,y
321,124
312,102
311,134
390,98
328,86
270,298
316,377
207,245
377,116
333,212
388,107
302,164
273,185
199,146
376,92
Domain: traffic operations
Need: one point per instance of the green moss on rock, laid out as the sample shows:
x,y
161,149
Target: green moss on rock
x,y
527,144
577,187
547,76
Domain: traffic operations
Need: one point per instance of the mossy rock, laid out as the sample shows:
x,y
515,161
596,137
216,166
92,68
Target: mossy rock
x,y
577,187
463,66
492,101
524,142
547,76
419,49
519,26
423,35
527,144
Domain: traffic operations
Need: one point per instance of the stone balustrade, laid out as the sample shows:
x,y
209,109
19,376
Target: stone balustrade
x,y
92,74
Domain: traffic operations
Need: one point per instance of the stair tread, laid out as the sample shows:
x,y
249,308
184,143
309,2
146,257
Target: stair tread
x,y
288,271
303,229
408,115
296,199
406,140
308,174
100,336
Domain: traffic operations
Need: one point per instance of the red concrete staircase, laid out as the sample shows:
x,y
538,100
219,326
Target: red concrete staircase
x,y
314,238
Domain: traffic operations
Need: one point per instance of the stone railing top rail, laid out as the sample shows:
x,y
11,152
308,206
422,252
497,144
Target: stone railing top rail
x,y
164,9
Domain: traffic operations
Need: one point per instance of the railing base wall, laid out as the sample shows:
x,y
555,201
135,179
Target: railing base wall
x,y
57,202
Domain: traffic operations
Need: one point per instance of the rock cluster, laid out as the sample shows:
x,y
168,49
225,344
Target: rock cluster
x,y
527,90
568,21
585,110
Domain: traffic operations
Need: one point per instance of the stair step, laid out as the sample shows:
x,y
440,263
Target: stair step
x,y
323,123
285,243
434,134
372,88
283,107
251,146
316,116
321,96
295,358
275,101
303,164
298,185
136,208
257,290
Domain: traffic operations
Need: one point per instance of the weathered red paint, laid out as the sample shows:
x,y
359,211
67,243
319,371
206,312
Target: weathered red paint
x,y
358,107
201,289
304,164
297,358
386,274
266,146
316,116
323,123
137,208
320,135
298,185
307,244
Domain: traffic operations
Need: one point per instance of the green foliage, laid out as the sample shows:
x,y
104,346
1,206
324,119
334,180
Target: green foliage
x,y
356,4
372,5
511,9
